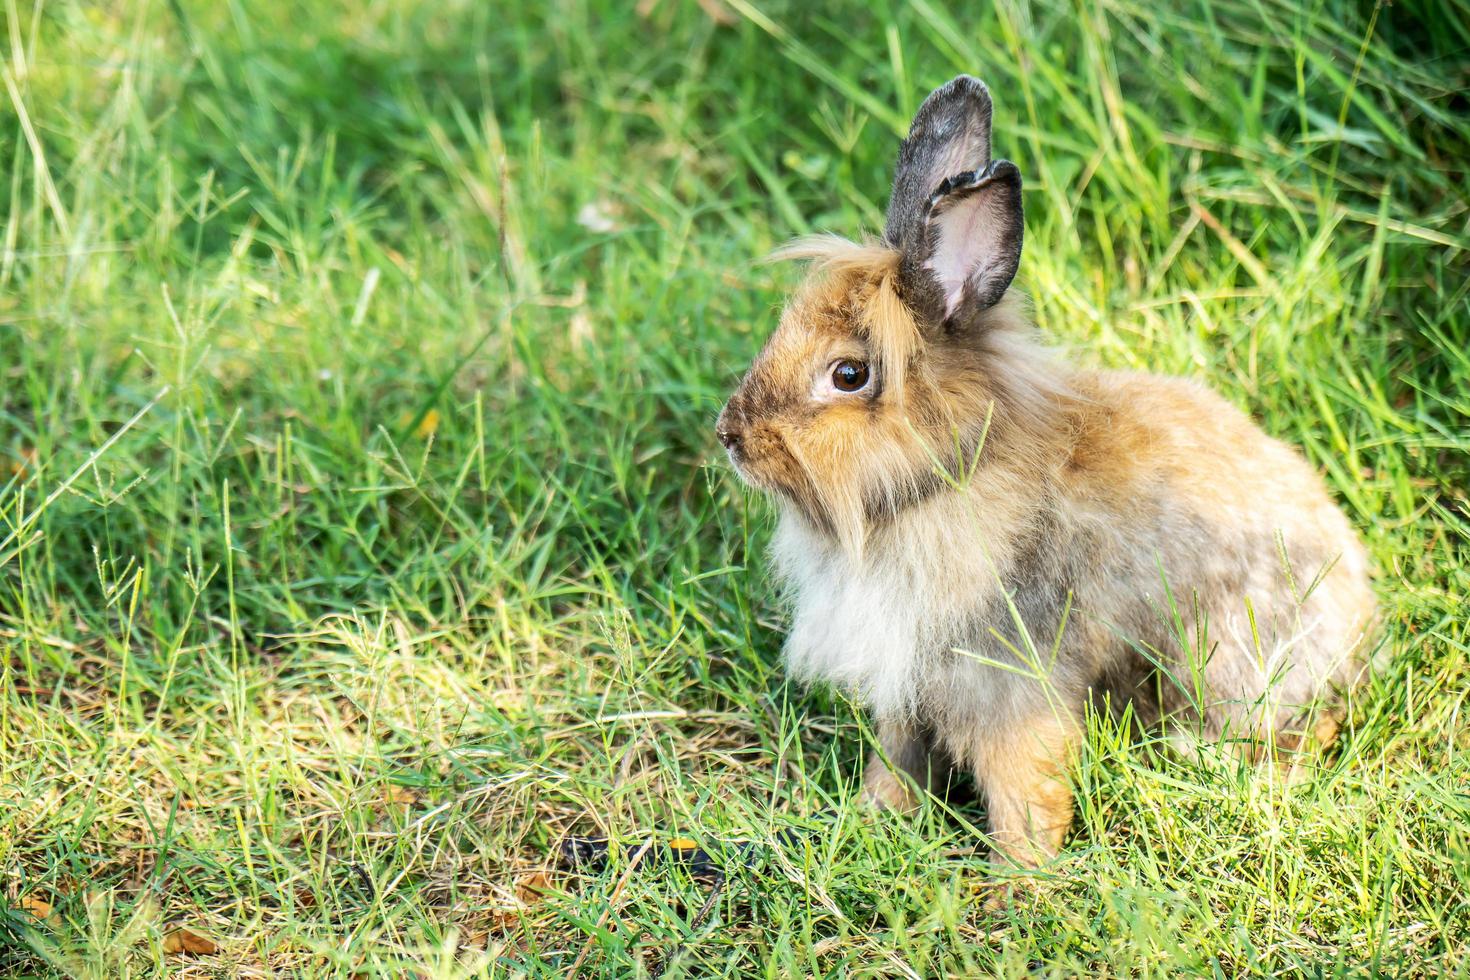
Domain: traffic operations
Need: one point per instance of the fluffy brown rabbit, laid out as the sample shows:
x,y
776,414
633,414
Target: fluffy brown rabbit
x,y
979,540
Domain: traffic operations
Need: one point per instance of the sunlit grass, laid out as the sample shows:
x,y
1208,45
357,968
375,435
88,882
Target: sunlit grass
x,y
408,549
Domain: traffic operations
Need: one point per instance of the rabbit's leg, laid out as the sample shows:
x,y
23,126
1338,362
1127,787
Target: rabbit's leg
x,y
1022,772
903,762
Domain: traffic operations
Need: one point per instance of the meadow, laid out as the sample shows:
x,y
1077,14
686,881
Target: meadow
x,y
363,532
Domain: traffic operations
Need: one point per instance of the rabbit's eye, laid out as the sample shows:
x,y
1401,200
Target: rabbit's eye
x,y
850,376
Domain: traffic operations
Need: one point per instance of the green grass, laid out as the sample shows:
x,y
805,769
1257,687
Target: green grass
x,y
362,529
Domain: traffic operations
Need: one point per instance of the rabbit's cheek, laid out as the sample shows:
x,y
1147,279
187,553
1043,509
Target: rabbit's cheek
x,y
769,463
765,455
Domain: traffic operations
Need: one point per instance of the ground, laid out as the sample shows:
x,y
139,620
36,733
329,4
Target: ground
x,y
363,530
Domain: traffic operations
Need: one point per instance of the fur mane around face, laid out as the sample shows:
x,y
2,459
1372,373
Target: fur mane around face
x,y
943,397
867,274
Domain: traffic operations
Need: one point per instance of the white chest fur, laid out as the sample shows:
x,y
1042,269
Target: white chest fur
x,y
875,625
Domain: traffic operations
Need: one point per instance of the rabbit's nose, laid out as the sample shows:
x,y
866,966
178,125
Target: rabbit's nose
x,y
728,427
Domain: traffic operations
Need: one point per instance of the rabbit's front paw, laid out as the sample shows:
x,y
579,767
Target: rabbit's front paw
x,y
886,790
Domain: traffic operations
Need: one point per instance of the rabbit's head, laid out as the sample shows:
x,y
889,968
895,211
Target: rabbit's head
x,y
878,384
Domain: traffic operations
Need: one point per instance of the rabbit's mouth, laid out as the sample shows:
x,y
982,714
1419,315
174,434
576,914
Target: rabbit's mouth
x,y
742,470
765,464
774,468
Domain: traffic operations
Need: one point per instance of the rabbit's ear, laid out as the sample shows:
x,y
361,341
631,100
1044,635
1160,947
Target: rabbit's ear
x,y
955,216
975,228
950,135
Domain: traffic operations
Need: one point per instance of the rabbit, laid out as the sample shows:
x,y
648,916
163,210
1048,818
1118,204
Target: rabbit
x,y
979,540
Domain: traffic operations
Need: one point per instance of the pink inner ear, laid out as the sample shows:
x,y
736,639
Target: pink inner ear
x,y
967,238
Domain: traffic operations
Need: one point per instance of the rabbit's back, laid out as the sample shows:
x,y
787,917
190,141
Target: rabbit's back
x,y
1216,545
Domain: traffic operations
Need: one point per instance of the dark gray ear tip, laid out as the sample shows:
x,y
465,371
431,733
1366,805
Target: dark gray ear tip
x,y
962,87
1003,172
961,92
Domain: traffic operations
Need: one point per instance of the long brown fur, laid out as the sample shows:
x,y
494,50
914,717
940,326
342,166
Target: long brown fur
x,y
988,539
